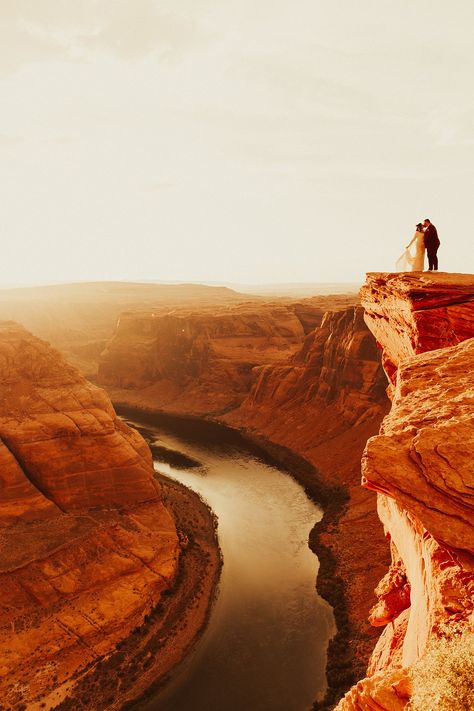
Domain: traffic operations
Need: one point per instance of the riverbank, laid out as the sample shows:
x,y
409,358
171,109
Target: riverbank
x,y
142,662
344,662
343,666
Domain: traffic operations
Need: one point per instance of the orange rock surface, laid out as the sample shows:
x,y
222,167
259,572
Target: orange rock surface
x,y
86,545
323,403
413,313
308,381
335,379
80,319
421,466
202,361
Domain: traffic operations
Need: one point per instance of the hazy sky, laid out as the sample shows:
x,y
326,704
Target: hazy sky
x,y
232,140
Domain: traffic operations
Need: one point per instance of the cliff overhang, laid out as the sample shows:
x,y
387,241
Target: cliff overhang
x,y
421,467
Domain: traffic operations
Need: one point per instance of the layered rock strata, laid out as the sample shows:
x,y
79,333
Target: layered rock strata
x,y
86,544
80,319
336,373
410,314
304,379
421,466
201,362
323,403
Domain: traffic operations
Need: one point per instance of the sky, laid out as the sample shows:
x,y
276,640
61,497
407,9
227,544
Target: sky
x,y
247,141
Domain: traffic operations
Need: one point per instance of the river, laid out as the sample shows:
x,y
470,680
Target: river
x,y
264,648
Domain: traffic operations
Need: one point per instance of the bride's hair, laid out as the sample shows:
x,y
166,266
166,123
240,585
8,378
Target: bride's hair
x,y
419,226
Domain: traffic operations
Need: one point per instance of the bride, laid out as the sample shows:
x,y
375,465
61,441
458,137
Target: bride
x,y
416,263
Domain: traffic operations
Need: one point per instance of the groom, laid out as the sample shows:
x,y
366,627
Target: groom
x,y
432,244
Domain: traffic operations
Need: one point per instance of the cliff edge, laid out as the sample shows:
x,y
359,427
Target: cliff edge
x,y
421,467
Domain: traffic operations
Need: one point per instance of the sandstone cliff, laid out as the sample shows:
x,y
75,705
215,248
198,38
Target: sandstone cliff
x,y
87,546
421,466
293,373
202,361
410,314
323,403
197,362
333,382
79,319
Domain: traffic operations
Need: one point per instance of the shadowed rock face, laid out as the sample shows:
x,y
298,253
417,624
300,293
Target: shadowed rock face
x,y
421,465
86,545
323,403
336,373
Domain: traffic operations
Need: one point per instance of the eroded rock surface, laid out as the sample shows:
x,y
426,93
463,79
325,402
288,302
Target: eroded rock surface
x,y
323,403
421,466
294,373
334,379
423,455
202,361
413,313
86,545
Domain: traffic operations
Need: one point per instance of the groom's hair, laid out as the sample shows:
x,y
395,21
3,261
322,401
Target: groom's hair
x,y
427,220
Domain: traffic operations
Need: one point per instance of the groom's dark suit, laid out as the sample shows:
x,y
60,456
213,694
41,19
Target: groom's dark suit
x,y
432,243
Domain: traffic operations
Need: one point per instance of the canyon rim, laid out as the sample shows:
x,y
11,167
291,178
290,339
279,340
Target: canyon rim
x,y
236,465
299,381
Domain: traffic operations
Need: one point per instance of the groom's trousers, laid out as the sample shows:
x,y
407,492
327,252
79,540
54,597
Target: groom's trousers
x,y
432,258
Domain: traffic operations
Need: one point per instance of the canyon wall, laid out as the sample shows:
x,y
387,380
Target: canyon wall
x,y
87,546
202,361
80,319
198,362
421,467
292,373
323,403
333,382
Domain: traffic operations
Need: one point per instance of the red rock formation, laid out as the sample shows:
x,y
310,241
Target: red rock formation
x,y
413,313
80,319
323,403
86,544
198,362
321,395
421,465
334,379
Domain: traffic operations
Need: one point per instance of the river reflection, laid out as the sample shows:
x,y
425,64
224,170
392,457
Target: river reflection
x,y
265,646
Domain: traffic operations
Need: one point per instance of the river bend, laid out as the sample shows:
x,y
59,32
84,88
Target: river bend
x,y
265,646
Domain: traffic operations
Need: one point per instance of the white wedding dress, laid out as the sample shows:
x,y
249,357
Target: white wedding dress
x,y
407,262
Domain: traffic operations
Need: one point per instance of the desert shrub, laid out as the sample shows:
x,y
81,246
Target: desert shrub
x,y
443,679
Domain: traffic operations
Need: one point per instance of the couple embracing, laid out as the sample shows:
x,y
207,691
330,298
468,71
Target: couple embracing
x,y
425,238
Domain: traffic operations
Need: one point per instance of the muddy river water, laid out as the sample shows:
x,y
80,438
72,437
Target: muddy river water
x,y
264,648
